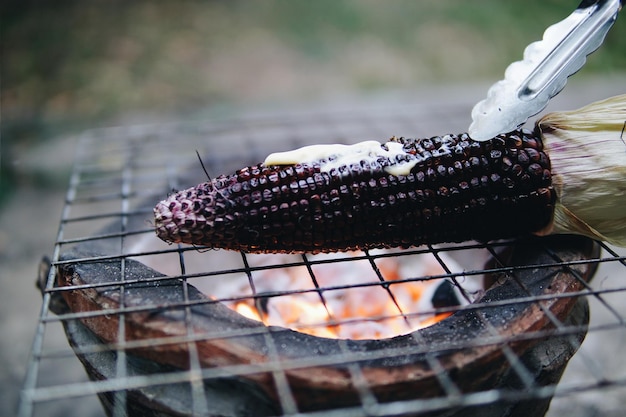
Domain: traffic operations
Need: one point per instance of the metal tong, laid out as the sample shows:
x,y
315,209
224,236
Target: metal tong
x,y
528,85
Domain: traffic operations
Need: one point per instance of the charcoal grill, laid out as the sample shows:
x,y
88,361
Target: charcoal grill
x,y
152,344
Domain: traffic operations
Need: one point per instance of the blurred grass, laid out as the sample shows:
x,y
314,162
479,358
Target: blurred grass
x,y
72,65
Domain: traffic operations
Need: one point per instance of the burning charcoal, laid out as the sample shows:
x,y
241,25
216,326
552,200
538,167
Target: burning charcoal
x,y
408,192
349,299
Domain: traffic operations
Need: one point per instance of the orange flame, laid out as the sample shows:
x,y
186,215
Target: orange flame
x,y
369,310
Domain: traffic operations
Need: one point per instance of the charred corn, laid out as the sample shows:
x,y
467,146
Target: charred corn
x,y
402,193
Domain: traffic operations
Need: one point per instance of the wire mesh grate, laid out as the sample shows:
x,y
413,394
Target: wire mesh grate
x,y
149,324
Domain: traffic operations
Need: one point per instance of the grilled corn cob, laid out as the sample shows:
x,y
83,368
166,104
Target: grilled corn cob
x,y
408,192
403,193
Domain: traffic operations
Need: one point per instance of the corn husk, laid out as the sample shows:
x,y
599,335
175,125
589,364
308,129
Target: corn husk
x,y
587,148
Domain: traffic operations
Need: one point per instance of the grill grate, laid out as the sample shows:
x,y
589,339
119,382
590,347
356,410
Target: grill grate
x,y
120,173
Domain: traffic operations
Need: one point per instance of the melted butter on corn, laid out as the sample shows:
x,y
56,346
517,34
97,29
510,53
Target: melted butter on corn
x,y
333,156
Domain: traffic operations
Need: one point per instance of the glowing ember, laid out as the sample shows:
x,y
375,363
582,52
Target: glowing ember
x,y
350,300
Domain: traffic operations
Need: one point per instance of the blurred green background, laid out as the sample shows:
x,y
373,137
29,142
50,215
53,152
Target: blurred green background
x,y
73,65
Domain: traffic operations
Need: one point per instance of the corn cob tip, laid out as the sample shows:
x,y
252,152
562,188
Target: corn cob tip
x,y
181,217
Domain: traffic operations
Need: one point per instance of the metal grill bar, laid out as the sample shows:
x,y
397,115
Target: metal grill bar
x,y
118,170
200,405
367,397
236,333
287,401
451,275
